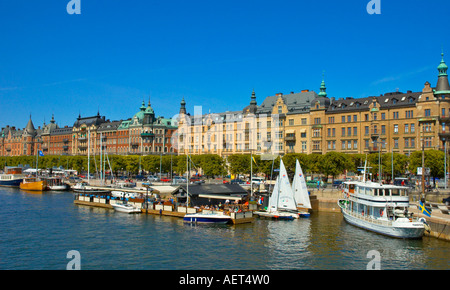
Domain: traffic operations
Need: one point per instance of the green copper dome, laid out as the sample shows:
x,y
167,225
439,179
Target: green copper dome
x,y
442,68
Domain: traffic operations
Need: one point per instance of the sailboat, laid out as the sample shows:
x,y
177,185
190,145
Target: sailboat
x,y
300,191
281,202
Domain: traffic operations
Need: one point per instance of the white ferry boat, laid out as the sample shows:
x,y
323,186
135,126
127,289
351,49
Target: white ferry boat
x,y
380,208
12,177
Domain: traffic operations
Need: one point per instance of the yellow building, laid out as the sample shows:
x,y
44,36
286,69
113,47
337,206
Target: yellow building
x,y
308,122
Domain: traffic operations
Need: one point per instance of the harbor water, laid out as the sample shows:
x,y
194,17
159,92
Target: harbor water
x,y
39,230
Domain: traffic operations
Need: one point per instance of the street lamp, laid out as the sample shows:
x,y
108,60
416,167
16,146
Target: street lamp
x,y
375,141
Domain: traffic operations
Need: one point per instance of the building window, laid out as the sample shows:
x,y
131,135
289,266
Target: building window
x,y
427,112
316,145
395,115
291,122
395,129
383,116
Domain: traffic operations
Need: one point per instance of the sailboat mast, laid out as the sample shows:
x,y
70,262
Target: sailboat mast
x,y
187,181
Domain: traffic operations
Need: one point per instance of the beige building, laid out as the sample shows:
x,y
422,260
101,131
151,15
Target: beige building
x,y
308,122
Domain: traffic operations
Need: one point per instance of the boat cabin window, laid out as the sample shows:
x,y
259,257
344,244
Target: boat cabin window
x,y
395,192
351,188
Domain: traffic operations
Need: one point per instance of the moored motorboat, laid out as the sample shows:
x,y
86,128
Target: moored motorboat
x,y
126,208
57,184
83,187
212,217
33,184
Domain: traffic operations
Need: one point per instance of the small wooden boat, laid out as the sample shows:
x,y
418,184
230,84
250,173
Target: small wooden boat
x,y
33,184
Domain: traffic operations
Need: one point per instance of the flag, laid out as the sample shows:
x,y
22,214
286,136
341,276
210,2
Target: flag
x,y
424,210
41,153
253,158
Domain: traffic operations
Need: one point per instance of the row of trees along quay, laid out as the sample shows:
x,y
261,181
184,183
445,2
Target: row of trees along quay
x,y
331,165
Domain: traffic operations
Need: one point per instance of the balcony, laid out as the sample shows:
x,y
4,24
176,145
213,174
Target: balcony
x,y
147,134
289,137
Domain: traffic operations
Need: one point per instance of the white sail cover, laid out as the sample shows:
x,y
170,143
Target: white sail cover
x,y
286,196
273,200
299,188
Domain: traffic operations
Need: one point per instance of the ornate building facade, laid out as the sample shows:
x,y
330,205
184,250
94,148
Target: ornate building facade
x,y
303,122
142,134
308,122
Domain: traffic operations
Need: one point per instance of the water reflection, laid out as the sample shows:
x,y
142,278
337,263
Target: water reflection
x,y
39,230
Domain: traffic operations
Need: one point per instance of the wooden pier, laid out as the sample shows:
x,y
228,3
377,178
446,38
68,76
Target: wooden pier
x,y
165,209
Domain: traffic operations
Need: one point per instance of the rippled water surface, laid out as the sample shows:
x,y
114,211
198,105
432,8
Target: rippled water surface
x,y
37,231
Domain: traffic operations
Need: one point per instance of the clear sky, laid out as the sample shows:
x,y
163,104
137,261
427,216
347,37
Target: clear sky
x,y
117,53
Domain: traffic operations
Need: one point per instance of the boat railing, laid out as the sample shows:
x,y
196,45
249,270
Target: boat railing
x,y
368,218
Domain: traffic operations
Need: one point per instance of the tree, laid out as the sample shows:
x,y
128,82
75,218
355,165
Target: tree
x,y
434,159
335,163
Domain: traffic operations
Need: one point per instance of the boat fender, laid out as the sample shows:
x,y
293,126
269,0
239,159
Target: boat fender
x,y
425,224
381,212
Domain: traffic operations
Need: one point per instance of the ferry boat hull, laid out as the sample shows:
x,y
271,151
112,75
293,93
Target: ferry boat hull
x,y
396,229
206,218
12,177
11,182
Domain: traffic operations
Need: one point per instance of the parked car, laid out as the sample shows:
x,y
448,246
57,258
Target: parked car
x,y
196,180
152,178
165,179
179,179
237,181
258,180
336,183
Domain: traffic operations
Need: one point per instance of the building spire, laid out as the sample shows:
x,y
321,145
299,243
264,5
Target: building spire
x,y
442,86
253,99
183,107
323,88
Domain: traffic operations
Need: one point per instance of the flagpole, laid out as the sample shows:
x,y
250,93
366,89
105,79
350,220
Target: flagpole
x,y
37,160
251,173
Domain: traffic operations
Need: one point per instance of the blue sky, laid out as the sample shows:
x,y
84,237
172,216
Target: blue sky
x,y
212,52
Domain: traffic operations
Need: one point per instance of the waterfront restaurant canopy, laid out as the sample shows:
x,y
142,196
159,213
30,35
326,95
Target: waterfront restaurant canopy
x,y
211,194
